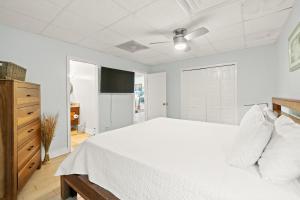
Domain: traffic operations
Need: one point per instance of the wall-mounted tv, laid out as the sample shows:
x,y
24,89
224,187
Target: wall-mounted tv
x,y
116,81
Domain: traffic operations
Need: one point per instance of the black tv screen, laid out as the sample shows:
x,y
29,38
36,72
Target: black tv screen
x,y
116,81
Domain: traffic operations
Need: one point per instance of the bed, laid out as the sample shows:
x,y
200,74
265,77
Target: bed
x,y
167,159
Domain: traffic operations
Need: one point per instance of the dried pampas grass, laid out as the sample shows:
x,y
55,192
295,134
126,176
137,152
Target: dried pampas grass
x,y
48,126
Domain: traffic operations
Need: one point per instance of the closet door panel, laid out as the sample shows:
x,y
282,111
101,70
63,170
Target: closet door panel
x,y
213,95
194,101
228,94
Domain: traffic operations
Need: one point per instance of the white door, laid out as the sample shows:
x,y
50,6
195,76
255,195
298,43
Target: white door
x,y
157,97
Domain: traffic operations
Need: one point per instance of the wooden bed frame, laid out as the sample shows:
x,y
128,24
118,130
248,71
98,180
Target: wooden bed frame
x,y
71,185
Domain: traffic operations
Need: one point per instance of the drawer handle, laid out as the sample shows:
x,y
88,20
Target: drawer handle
x,y
28,95
31,165
29,113
30,148
29,131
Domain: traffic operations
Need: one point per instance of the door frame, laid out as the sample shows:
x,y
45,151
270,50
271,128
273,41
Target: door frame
x,y
68,102
205,67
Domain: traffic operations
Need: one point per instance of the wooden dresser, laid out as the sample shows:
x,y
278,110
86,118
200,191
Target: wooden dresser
x,y
20,140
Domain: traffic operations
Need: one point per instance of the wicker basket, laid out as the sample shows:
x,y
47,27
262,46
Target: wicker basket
x,y
11,71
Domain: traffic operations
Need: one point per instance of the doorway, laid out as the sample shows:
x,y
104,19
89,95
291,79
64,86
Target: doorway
x,y
139,98
83,101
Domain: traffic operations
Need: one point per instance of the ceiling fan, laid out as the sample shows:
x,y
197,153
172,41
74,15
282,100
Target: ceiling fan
x,y
182,36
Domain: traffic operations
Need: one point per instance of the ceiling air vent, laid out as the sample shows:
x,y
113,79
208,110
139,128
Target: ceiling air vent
x,y
132,46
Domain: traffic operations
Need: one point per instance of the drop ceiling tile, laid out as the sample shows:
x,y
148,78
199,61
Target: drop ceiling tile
x,y
257,8
104,12
61,3
199,5
108,36
146,53
41,9
74,22
225,33
19,21
220,17
181,55
267,23
228,45
157,60
118,52
131,27
133,5
202,49
262,38
205,51
162,14
256,43
62,34
94,44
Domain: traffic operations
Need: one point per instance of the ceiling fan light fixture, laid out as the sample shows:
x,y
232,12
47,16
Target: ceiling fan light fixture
x,y
180,43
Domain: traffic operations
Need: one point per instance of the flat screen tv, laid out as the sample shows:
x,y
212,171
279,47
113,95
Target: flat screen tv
x,y
116,81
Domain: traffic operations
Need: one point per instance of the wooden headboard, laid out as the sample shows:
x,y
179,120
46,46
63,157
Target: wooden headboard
x,y
291,104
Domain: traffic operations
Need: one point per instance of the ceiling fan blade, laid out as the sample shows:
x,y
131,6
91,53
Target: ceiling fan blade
x,y
153,43
196,33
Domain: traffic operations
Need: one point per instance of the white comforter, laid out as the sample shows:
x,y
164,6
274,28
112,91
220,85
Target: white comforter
x,y
170,159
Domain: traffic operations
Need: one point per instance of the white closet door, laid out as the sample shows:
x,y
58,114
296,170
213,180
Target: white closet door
x,y
213,96
209,94
193,95
228,112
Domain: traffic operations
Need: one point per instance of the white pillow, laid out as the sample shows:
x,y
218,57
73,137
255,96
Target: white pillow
x,y
254,134
281,160
270,115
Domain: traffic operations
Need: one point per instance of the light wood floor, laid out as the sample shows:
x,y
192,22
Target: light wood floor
x,y
43,185
78,138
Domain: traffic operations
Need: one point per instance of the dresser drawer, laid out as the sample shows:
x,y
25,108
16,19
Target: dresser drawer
x,y
27,114
30,131
27,96
27,151
25,173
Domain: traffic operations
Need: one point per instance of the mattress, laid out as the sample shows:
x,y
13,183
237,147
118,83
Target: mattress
x,y
170,159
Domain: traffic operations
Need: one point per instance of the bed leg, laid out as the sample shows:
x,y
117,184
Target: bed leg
x,y
66,190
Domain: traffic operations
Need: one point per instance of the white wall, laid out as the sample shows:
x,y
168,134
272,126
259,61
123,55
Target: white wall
x,y
46,61
255,73
84,78
288,83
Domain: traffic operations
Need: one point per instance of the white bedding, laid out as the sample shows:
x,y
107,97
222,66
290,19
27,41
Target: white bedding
x,y
170,159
